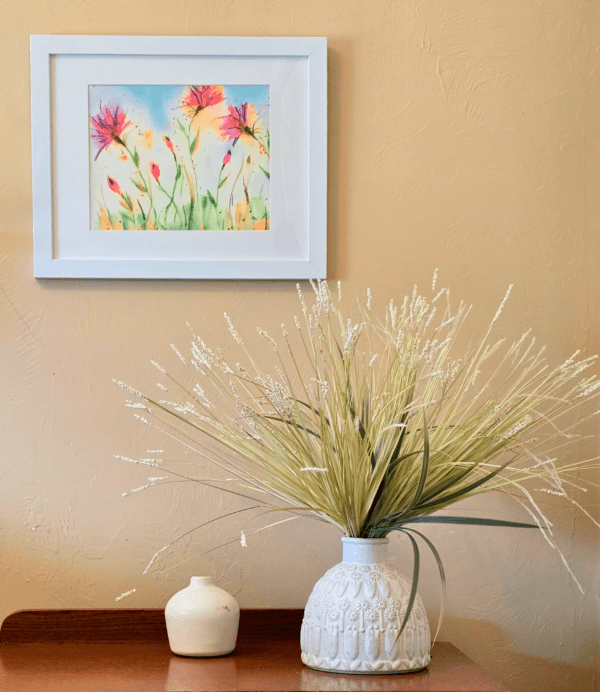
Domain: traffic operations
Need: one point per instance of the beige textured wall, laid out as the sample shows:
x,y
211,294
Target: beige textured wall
x,y
464,136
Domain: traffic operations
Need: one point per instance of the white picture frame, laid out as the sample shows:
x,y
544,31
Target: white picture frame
x,y
65,246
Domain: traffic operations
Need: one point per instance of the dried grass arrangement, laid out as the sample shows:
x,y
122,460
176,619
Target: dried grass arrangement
x,y
390,425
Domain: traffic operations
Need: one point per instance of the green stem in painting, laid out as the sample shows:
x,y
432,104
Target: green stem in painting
x,y
233,188
220,184
192,190
142,210
152,209
136,162
191,147
171,202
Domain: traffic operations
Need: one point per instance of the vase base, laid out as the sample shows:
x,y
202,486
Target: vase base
x,y
385,667
366,672
218,655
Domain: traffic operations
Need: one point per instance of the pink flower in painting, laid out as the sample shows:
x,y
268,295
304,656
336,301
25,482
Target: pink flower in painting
x,y
226,158
200,97
169,144
155,170
109,128
241,122
114,185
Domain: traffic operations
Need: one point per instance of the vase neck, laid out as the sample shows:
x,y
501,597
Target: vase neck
x,y
365,551
201,581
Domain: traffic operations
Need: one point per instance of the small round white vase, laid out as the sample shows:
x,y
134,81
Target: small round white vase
x,y
202,620
353,616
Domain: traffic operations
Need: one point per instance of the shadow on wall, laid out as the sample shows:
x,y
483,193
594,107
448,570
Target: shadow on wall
x,y
490,648
340,126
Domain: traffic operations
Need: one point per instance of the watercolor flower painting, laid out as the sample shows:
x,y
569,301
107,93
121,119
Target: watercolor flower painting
x,y
179,158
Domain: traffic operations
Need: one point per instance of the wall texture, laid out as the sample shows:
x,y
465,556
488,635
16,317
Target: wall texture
x,y
464,136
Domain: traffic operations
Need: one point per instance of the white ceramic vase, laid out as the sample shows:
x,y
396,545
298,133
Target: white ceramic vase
x,y
354,613
202,620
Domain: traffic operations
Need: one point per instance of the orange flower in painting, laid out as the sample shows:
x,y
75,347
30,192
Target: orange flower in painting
x,y
105,223
114,185
148,136
109,128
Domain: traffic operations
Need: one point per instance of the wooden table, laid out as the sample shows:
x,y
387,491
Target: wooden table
x,y
128,650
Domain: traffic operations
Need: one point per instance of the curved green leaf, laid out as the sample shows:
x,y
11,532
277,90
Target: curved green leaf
x,y
473,521
414,585
438,559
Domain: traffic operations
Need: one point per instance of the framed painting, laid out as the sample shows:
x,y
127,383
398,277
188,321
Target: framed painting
x,y
179,157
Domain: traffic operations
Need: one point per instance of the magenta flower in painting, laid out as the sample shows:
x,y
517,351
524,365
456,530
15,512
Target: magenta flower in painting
x,y
241,122
200,97
226,159
114,185
155,170
109,128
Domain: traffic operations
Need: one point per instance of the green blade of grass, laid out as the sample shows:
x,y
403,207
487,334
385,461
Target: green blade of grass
x,y
470,521
414,585
438,559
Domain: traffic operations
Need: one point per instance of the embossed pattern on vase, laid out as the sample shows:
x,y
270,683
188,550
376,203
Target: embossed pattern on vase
x,y
352,619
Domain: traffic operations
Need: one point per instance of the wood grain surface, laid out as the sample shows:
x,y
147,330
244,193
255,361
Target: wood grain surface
x,y
118,650
126,625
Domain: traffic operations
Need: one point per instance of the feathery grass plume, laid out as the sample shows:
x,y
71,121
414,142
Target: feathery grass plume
x,y
124,595
373,450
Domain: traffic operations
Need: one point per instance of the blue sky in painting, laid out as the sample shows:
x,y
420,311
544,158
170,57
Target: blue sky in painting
x,y
158,100
259,95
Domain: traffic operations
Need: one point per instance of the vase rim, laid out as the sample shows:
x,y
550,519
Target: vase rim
x,y
365,541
